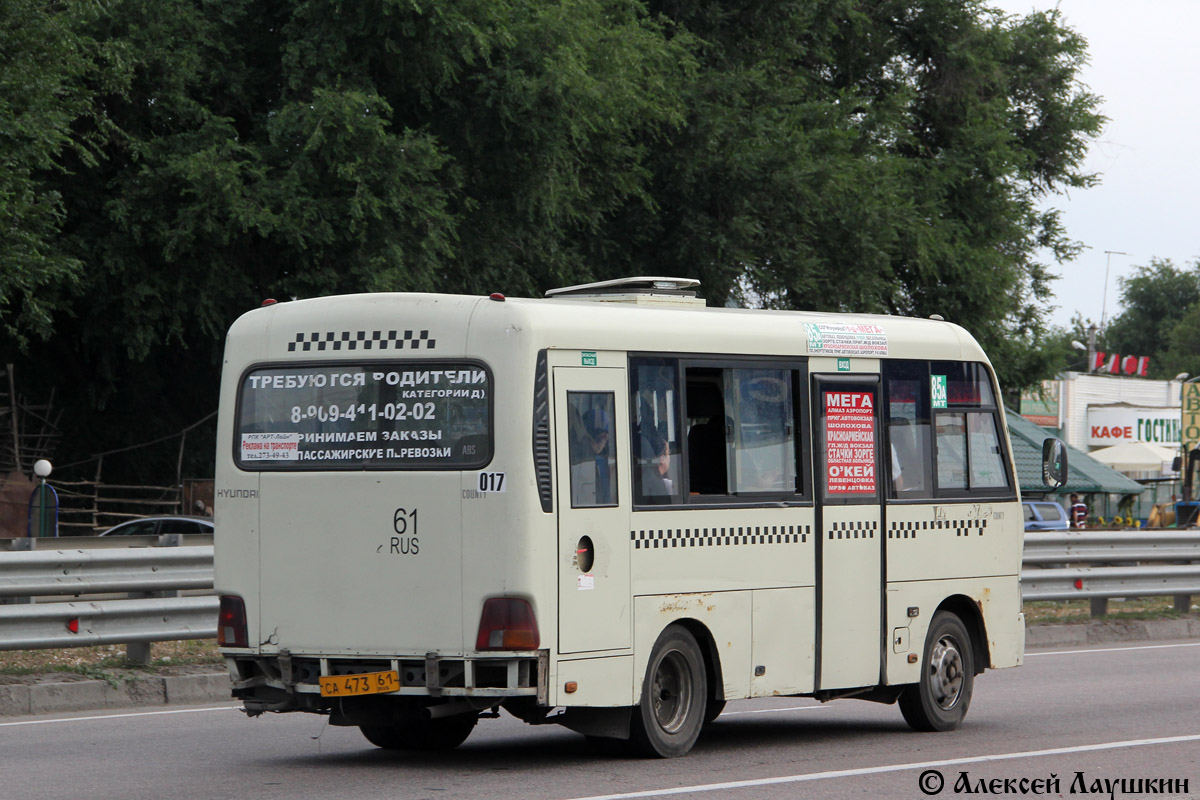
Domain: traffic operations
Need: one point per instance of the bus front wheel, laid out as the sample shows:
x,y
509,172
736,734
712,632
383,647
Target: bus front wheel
x,y
668,719
939,701
443,733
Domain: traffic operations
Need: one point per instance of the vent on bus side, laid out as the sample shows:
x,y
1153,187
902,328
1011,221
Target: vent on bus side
x,y
541,432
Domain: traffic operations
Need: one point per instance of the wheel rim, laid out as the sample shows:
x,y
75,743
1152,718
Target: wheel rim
x,y
946,673
672,692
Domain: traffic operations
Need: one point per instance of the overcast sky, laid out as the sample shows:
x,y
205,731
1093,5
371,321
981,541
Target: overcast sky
x,y
1144,64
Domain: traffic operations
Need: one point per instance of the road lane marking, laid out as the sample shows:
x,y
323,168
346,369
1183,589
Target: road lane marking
x,y
773,710
1113,649
119,716
854,773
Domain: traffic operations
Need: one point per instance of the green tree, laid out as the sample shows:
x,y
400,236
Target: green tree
x,y
44,104
1154,300
885,157
831,155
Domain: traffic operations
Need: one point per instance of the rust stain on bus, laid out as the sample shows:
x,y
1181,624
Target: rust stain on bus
x,y
681,603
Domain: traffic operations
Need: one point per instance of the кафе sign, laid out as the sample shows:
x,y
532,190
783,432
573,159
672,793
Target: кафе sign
x,y
1120,424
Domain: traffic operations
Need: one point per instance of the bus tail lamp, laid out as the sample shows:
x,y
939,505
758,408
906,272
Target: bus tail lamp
x,y
507,623
231,622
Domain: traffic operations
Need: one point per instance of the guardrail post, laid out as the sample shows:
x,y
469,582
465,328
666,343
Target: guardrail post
x,y
1183,603
1099,606
139,652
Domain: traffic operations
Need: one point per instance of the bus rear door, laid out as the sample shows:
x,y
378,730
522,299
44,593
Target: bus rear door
x,y
593,509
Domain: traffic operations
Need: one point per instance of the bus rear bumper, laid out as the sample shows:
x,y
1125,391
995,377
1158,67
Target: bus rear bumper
x,y
290,682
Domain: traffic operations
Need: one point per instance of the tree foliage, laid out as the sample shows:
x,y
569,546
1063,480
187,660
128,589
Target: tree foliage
x,y
830,155
1155,299
45,105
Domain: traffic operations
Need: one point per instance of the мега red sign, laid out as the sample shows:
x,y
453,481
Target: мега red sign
x,y
1129,365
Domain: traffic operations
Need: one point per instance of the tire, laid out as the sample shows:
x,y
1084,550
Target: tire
x,y
443,733
668,719
939,702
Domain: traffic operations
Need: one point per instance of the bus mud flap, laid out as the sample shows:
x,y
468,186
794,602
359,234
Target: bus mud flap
x,y
610,723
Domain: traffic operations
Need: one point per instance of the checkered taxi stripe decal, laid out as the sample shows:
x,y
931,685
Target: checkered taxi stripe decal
x,y
362,340
961,527
720,537
853,530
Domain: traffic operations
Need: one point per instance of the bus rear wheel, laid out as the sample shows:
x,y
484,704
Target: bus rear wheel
x,y
668,719
443,733
939,701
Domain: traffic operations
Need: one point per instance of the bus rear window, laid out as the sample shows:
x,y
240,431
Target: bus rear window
x,y
365,415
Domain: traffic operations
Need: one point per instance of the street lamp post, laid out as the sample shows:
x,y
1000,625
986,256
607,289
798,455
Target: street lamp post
x,y
42,468
1108,254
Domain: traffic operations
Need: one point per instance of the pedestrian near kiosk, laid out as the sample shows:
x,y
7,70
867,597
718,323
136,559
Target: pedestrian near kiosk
x,y
1078,512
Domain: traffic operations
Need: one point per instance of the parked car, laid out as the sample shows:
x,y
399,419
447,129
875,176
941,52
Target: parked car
x,y
156,526
1044,515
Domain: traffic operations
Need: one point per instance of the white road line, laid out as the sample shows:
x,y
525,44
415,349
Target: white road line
x,y
118,716
774,710
1113,649
852,773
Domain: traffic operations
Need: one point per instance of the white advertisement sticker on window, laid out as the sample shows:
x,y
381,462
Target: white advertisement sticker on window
x,y
840,339
270,446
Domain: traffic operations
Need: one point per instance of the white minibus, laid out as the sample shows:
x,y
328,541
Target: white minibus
x,y
612,509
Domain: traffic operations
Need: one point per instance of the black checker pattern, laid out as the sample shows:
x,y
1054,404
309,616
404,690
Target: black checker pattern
x,y
362,340
961,527
853,530
719,537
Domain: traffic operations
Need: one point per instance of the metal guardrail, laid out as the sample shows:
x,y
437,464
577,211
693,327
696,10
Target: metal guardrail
x,y
38,588
1107,564
1057,565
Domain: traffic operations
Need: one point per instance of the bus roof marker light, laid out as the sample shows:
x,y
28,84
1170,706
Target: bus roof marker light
x,y
270,301
499,298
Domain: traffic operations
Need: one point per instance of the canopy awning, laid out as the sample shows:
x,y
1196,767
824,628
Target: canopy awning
x,y
1135,456
1085,475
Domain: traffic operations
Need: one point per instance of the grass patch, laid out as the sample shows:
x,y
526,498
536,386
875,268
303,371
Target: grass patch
x,y
92,661
1074,611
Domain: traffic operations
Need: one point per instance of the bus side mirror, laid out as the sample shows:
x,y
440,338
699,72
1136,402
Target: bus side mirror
x,y
1054,463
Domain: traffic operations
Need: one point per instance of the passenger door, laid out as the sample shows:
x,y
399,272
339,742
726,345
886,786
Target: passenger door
x,y
590,415
846,443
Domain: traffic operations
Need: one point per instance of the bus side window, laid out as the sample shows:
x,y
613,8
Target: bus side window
x,y
907,420
656,432
762,447
592,449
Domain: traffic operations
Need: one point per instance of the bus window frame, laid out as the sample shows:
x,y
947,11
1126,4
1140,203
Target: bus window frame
x,y
242,466
797,369
938,493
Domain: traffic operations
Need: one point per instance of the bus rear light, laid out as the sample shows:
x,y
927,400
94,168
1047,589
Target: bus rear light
x,y
507,623
231,622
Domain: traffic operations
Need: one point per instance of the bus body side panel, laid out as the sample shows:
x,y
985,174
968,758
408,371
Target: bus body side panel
x,y
953,540
933,548
997,599
749,570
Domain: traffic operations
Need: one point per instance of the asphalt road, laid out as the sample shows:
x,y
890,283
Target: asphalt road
x,y
1109,713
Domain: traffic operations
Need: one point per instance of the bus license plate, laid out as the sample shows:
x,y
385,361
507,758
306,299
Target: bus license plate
x,y
363,683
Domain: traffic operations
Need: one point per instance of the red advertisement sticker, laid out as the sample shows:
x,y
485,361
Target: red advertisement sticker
x,y
850,442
